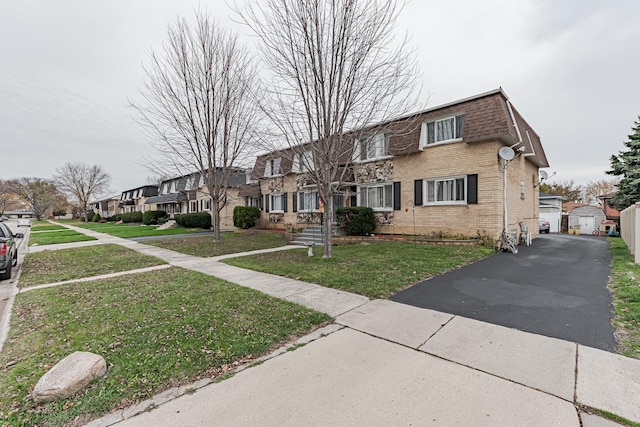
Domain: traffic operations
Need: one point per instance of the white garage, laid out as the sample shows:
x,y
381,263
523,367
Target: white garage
x,y
586,219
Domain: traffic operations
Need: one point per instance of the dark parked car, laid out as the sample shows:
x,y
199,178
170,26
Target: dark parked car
x,y
544,225
8,250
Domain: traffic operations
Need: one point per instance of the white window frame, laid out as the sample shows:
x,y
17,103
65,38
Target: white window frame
x,y
446,189
385,193
432,126
273,165
303,162
272,198
308,201
252,201
380,144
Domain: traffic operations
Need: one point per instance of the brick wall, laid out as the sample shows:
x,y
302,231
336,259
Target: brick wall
x,y
456,159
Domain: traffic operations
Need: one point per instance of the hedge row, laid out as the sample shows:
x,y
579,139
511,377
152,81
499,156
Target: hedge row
x,y
153,217
194,220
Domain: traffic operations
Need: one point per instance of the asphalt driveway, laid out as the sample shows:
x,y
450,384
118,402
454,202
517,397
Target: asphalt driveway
x,y
556,287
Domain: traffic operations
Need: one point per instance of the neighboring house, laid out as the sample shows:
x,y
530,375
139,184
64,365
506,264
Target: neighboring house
x,y
188,194
434,171
107,207
611,213
134,200
586,219
551,209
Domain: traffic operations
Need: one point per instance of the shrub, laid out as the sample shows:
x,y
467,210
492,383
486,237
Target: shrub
x,y
357,221
114,218
194,220
153,217
96,217
245,216
131,217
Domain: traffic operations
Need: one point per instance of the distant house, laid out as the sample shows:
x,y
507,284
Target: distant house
x,y
134,200
189,194
610,212
106,207
434,171
550,206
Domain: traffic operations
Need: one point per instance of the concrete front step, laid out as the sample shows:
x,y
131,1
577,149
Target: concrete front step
x,y
311,235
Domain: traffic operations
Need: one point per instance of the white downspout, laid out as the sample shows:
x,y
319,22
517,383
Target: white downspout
x,y
515,124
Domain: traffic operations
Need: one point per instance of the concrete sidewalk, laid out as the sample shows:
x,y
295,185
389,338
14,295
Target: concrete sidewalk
x,y
386,363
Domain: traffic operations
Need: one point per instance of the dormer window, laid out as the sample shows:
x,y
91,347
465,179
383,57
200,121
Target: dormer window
x,y
449,129
272,168
372,148
303,162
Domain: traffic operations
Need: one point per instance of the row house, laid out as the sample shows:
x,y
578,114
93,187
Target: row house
x,y
134,200
106,207
434,171
189,194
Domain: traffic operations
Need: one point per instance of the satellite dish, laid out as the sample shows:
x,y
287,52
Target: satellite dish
x,y
544,175
506,153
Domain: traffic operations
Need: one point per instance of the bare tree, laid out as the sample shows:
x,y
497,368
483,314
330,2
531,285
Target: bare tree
x,y
80,182
336,69
567,189
594,189
197,105
7,196
39,193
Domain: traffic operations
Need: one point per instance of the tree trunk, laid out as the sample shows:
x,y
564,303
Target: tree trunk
x,y
326,229
215,219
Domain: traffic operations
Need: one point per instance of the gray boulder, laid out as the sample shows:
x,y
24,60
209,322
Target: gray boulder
x,y
69,376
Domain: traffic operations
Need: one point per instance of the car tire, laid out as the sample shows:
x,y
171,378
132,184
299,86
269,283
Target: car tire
x,y
7,274
546,231
14,261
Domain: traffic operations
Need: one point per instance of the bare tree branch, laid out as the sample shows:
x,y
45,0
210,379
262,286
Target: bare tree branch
x,y
80,182
336,70
198,107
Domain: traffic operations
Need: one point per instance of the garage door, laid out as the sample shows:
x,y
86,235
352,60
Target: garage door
x,y
587,224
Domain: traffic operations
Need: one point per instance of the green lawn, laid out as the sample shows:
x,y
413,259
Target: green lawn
x,y
132,230
155,330
36,228
625,287
230,243
376,270
67,264
63,236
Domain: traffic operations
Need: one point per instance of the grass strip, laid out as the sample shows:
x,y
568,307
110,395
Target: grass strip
x,y
375,270
66,236
133,230
230,243
38,228
67,264
625,287
156,330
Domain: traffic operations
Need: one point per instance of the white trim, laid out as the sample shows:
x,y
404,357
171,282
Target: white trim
x,y
425,187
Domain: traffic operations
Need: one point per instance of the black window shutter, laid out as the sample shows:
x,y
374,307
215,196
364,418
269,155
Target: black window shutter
x,y
294,200
354,198
284,201
261,202
417,192
472,189
396,196
266,202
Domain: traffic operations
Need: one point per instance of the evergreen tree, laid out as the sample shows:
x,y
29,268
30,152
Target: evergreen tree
x,y
627,165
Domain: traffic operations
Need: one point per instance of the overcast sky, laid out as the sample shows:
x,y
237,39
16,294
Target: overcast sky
x,y
68,69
